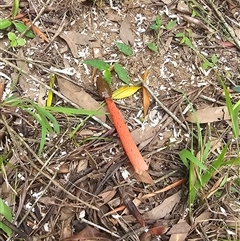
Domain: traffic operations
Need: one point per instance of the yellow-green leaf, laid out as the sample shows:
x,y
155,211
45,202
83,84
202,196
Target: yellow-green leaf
x,y
125,91
50,93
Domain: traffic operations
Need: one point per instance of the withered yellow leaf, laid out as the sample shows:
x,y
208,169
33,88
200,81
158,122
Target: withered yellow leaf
x,y
146,101
124,92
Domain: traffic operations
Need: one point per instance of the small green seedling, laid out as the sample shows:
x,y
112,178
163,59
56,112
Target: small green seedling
x,y
157,26
15,41
186,40
106,68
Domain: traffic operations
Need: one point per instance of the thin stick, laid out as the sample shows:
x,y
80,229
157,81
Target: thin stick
x,y
99,227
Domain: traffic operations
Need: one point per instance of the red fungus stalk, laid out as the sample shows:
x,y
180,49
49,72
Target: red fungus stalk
x,y
127,141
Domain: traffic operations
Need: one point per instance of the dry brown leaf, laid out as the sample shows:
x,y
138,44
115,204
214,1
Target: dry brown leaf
x,y
2,84
183,7
106,197
179,231
27,84
164,208
77,95
112,15
146,101
126,33
66,230
73,39
140,135
66,213
88,234
209,114
144,177
197,22
37,31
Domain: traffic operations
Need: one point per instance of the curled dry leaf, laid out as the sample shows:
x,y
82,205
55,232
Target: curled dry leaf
x,y
209,114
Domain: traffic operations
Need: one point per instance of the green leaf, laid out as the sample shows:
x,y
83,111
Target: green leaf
x,y
21,41
154,26
153,47
194,13
11,36
171,24
214,59
107,76
5,23
188,42
15,8
72,111
6,212
205,65
236,89
180,35
13,43
124,48
158,20
97,63
122,73
21,27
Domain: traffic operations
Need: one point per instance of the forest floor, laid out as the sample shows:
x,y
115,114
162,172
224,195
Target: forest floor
x,y
64,174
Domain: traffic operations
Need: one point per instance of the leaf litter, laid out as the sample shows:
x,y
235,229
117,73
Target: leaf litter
x,y
85,162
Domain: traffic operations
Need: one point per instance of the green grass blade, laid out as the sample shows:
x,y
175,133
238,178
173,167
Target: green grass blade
x,y
187,155
73,111
209,173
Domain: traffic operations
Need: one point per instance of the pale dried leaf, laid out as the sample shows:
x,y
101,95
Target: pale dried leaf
x,y
164,208
27,84
139,135
203,217
66,213
209,114
73,39
179,231
82,165
197,22
183,7
77,95
42,96
126,33
66,230
88,234
112,16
